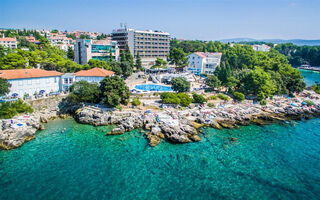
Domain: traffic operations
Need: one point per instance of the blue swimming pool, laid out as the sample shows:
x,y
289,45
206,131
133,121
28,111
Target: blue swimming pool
x,y
152,87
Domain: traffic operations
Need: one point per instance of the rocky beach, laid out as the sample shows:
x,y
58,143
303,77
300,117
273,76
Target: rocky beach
x,y
175,125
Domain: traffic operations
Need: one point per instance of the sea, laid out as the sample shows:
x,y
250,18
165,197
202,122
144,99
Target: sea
x,y
278,161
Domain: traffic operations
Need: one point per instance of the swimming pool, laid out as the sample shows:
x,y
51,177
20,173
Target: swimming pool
x,y
152,87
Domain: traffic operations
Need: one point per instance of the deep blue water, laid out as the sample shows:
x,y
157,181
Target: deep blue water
x,y
267,162
152,87
310,77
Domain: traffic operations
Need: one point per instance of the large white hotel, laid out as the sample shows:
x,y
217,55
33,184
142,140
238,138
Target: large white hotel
x,y
149,44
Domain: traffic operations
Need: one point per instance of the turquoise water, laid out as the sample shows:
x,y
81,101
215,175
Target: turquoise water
x,y
310,77
152,87
266,162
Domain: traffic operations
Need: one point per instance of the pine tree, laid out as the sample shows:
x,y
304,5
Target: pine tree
x,y
138,64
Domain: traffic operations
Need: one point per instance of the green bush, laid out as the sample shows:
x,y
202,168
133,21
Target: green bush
x,y
213,97
198,98
211,105
185,99
176,98
119,107
223,97
309,102
136,101
238,96
316,88
263,102
10,109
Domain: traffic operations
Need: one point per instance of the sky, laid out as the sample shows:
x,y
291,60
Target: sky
x,y
185,19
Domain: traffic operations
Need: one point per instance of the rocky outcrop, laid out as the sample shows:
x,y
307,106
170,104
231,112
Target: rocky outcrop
x,y
13,133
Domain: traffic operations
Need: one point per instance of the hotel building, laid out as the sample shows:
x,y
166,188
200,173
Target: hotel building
x,y
149,44
203,63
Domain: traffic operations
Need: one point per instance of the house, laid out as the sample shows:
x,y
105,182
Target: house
x,y
31,81
92,75
9,42
262,47
32,39
203,63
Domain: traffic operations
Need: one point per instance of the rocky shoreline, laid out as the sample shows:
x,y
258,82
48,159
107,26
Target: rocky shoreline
x,y
182,126
171,124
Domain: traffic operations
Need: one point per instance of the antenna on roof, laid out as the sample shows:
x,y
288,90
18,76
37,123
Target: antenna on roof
x,y
125,25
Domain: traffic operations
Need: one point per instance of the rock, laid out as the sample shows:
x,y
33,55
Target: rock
x,y
43,119
195,138
233,139
154,140
117,131
197,125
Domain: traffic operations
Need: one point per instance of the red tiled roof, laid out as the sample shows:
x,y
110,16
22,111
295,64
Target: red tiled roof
x,y
98,72
204,55
27,73
8,39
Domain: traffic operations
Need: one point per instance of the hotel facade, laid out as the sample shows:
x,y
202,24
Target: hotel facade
x,y
149,44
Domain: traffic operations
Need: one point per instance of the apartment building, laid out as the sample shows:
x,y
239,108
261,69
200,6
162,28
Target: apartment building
x,y
203,63
9,42
149,44
86,49
61,41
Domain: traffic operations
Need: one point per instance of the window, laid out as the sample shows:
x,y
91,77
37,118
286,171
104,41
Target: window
x,y
55,79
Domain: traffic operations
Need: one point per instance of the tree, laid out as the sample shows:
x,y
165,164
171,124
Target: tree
x,y
138,64
180,84
99,63
178,57
70,53
115,67
127,69
238,96
54,31
160,63
198,98
83,91
4,86
213,82
114,91
185,99
13,61
128,56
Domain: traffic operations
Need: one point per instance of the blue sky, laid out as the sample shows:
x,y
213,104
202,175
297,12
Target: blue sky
x,y
187,19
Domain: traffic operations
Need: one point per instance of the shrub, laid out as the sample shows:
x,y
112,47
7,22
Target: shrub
x,y
114,91
185,99
223,97
316,88
136,101
119,107
213,97
198,98
211,105
173,98
263,102
309,102
238,96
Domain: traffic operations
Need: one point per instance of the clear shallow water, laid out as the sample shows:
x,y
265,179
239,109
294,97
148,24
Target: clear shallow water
x,y
310,77
267,162
152,87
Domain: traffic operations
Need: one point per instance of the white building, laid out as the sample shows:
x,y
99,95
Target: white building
x,y
61,41
203,63
263,47
9,42
149,44
92,75
86,49
31,81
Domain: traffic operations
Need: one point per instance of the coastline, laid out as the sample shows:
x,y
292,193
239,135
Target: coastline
x,y
175,125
